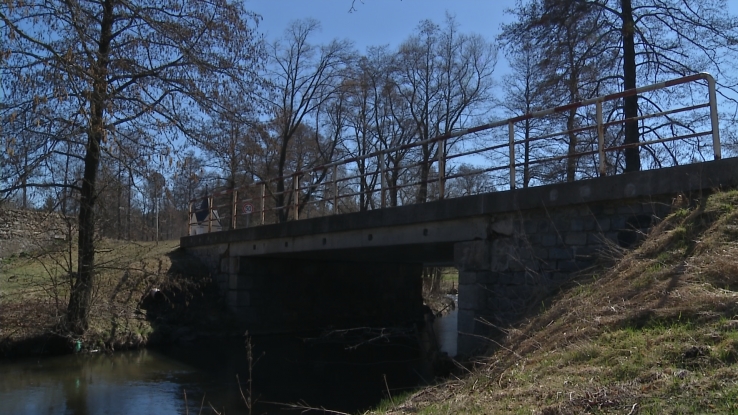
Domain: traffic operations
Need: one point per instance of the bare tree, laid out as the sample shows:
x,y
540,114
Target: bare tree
x,y
304,78
445,77
655,40
100,72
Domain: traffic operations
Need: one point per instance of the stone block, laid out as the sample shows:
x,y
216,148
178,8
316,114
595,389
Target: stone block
x,y
576,225
568,266
549,239
503,227
561,225
575,238
468,277
534,239
472,256
596,239
589,224
630,209
540,253
466,321
559,253
471,296
486,278
617,223
502,280
530,226
603,224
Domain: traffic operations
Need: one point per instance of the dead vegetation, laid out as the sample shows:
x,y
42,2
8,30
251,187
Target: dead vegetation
x,y
34,289
655,333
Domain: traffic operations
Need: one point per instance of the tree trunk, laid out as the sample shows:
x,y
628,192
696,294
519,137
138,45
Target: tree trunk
x,y
630,104
80,297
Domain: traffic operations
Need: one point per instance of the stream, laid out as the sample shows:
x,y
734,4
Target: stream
x,y
346,371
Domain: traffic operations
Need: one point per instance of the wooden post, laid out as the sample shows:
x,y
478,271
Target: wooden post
x,y
442,169
511,134
263,194
296,197
189,219
234,212
383,192
601,140
335,189
210,214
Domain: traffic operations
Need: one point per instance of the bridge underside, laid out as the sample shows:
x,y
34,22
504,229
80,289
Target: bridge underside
x,y
511,248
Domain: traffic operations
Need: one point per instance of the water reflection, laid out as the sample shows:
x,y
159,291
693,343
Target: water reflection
x,y
322,373
125,383
446,329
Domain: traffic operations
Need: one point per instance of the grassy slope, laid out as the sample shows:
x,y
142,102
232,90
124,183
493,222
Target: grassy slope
x,y
657,333
34,294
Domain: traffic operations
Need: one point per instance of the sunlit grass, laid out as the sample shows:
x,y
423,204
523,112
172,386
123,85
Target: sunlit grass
x,y
657,333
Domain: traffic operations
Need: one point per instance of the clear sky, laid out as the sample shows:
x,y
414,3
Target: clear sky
x,y
379,22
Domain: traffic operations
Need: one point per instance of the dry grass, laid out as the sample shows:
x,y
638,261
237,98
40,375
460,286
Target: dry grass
x,y
34,291
656,333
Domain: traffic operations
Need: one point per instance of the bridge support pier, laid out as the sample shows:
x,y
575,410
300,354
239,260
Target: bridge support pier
x,y
527,255
496,288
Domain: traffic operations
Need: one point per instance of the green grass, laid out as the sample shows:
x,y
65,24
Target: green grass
x,y
34,290
655,334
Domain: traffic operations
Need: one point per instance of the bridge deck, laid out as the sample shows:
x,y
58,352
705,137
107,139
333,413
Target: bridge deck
x,y
428,230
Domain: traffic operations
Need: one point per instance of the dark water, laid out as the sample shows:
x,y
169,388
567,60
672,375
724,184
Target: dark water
x,y
446,329
320,372
346,372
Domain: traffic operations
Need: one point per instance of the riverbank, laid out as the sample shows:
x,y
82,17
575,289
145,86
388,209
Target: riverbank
x,y
653,332
145,294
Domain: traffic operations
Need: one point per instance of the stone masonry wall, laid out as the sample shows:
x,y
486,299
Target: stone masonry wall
x,y
29,231
529,254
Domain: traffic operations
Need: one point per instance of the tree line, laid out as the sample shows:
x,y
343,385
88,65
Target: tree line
x,y
121,113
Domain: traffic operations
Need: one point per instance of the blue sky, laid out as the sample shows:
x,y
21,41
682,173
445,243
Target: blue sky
x,y
379,22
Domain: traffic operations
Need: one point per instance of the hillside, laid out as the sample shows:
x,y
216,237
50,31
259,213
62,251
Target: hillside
x,y
34,290
655,332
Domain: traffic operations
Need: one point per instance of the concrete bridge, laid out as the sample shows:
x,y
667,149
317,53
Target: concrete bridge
x,y
511,248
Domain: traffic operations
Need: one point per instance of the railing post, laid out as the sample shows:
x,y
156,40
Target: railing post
x,y
383,184
335,189
714,118
296,196
235,209
263,194
442,169
601,140
511,134
210,214
189,219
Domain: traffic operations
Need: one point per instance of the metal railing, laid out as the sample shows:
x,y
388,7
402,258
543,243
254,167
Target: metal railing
x,y
596,151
